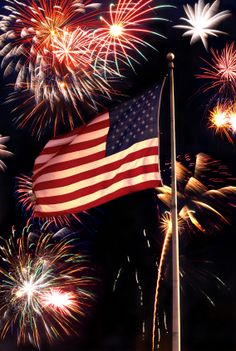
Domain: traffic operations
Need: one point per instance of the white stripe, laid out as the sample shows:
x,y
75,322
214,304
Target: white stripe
x,y
44,158
148,160
98,194
71,139
90,136
95,164
76,140
74,155
100,118
59,141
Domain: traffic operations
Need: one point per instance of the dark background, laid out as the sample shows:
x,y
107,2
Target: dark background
x,y
116,229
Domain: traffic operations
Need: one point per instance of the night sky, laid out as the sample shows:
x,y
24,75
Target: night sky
x,y
114,232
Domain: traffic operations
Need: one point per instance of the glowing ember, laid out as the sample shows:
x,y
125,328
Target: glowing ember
x,y
116,30
57,298
219,118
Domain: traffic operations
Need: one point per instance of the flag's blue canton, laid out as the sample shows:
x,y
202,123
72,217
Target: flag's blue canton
x,y
133,121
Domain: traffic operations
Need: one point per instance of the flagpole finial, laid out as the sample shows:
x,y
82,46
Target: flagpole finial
x,y
170,56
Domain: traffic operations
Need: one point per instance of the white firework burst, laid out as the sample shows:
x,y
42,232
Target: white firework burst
x,y
202,20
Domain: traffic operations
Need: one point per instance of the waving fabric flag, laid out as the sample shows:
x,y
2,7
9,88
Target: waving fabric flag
x,y
114,155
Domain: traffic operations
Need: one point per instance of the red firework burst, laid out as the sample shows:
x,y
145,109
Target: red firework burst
x,y
123,30
221,70
72,48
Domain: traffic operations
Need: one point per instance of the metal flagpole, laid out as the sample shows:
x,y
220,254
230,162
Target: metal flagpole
x,y
176,327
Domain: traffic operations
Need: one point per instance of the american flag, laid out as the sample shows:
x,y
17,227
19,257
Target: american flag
x,y
114,155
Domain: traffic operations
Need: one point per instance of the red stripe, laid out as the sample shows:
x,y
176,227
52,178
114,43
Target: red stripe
x,y
86,129
43,168
50,150
70,164
95,171
76,147
102,200
93,127
95,187
79,146
77,130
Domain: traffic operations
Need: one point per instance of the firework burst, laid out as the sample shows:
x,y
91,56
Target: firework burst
x,y
201,206
201,21
72,48
4,152
221,71
30,28
56,100
220,119
45,286
48,49
124,29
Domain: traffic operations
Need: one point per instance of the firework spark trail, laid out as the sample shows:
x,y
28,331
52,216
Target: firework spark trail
x,y
147,240
117,278
166,227
221,71
195,273
141,302
135,274
123,30
24,193
201,21
36,268
4,152
212,171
